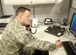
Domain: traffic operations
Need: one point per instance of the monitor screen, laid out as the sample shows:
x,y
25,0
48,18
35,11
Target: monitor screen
x,y
73,24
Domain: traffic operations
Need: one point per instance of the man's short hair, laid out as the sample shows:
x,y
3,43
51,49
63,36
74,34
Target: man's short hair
x,y
21,9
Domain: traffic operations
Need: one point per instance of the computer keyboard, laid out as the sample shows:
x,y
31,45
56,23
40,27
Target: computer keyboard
x,y
57,31
70,47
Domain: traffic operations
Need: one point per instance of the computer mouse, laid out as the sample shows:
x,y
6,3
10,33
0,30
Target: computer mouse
x,y
59,34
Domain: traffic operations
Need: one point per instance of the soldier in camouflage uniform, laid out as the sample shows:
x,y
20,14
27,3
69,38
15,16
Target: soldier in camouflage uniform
x,y
15,37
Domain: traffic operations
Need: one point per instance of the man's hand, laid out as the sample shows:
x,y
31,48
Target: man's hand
x,y
58,44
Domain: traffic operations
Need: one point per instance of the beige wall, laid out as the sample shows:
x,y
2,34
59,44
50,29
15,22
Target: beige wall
x,y
72,10
1,11
7,9
54,11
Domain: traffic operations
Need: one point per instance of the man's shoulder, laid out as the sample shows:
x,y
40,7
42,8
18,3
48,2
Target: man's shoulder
x,y
10,25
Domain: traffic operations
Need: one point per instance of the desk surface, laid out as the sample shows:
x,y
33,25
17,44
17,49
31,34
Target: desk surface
x,y
40,34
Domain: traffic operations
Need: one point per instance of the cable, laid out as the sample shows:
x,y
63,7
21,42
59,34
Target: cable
x,y
69,35
34,32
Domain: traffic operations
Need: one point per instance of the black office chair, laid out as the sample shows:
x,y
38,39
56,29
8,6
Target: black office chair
x,y
39,52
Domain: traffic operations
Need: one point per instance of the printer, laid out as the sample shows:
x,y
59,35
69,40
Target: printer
x,y
4,20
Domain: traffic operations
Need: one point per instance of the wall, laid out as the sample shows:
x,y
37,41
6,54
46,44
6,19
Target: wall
x,y
7,9
55,11
72,10
41,11
74,4
1,11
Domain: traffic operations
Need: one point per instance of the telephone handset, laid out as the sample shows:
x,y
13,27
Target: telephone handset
x,y
34,25
32,30
28,27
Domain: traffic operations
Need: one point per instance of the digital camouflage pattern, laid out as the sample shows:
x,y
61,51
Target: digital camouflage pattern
x,y
15,37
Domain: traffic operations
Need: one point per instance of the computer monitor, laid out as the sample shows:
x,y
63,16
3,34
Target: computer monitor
x,y
73,24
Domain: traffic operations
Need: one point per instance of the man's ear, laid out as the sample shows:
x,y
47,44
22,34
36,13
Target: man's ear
x,y
21,16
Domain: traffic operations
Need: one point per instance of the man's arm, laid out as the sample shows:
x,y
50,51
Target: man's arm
x,y
33,42
40,45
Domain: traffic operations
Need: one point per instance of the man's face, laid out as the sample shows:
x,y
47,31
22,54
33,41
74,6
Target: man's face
x,y
26,18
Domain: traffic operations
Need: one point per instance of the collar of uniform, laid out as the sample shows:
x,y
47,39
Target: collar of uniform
x,y
17,22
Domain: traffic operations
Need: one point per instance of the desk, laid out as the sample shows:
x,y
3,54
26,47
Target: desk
x,y
40,34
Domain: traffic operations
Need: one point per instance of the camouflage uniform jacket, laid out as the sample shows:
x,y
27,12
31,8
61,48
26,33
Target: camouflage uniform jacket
x,y
15,37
